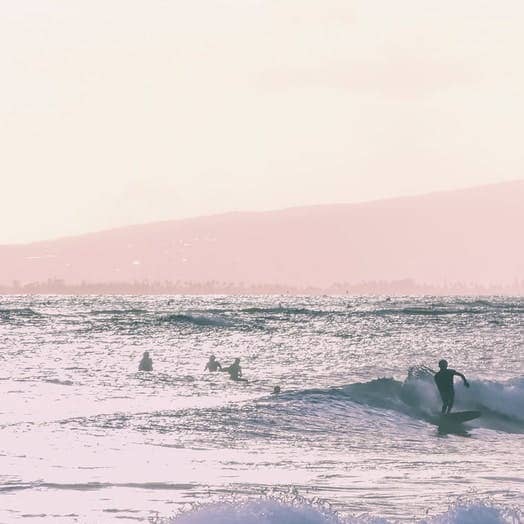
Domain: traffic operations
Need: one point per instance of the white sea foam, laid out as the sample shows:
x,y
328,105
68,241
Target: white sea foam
x,y
477,512
503,398
257,512
300,511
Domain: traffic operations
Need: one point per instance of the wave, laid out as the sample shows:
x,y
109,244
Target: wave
x,y
506,399
501,404
324,410
281,310
197,320
118,311
455,307
21,312
264,511
93,486
477,302
430,311
300,511
59,382
504,305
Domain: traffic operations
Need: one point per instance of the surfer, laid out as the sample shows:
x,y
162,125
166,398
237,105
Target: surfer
x,y
146,364
213,364
235,371
444,381
276,390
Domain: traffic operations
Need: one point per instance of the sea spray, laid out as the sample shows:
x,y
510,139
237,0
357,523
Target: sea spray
x,y
298,510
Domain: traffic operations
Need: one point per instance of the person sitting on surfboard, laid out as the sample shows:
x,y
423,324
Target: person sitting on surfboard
x,y
146,364
235,371
444,381
213,364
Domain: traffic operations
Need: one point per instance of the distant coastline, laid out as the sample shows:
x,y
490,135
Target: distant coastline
x,y
465,242
369,288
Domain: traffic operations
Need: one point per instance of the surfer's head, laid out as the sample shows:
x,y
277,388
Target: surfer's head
x,y
146,354
237,361
443,364
212,357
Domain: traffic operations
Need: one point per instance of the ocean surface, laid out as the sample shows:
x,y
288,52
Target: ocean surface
x,y
353,436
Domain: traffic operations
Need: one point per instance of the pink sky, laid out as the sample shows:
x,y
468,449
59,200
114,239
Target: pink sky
x,y
119,112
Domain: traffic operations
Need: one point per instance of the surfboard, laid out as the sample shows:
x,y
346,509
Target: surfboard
x,y
459,417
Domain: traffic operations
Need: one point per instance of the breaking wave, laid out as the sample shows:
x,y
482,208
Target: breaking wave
x,y
300,511
501,403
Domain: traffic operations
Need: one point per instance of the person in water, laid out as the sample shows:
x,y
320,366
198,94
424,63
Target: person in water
x,y
146,364
276,390
213,364
235,371
444,381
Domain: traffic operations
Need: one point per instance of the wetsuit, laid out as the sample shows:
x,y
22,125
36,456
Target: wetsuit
x,y
444,381
234,371
213,365
146,364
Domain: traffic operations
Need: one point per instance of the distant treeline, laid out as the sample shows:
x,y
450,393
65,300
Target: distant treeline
x,y
145,287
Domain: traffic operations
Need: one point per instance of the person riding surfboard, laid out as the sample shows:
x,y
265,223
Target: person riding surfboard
x,y
444,380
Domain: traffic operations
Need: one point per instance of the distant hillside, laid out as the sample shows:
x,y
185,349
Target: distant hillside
x,y
472,235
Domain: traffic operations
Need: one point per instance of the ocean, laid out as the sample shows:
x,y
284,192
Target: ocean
x,y
352,437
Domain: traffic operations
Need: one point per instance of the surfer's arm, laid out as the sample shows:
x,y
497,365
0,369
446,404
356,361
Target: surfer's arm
x,y
466,383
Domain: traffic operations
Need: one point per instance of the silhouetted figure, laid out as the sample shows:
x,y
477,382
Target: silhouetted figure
x,y
213,364
146,364
235,371
444,381
276,390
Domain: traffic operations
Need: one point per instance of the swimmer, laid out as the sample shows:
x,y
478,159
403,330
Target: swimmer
x,y
235,371
146,364
213,364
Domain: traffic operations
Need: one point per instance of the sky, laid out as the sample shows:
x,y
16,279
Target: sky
x,y
118,112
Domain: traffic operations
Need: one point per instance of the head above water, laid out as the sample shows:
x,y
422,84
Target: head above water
x,y
443,364
212,357
237,360
146,354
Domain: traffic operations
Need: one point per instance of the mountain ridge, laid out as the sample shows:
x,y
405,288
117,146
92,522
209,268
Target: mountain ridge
x,y
385,200
470,234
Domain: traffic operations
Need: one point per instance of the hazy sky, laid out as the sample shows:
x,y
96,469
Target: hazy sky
x,y
115,112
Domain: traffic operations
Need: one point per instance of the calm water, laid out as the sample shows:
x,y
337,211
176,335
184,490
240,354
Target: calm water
x,y
87,438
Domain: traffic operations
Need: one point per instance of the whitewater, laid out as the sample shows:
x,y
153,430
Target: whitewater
x,y
352,438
